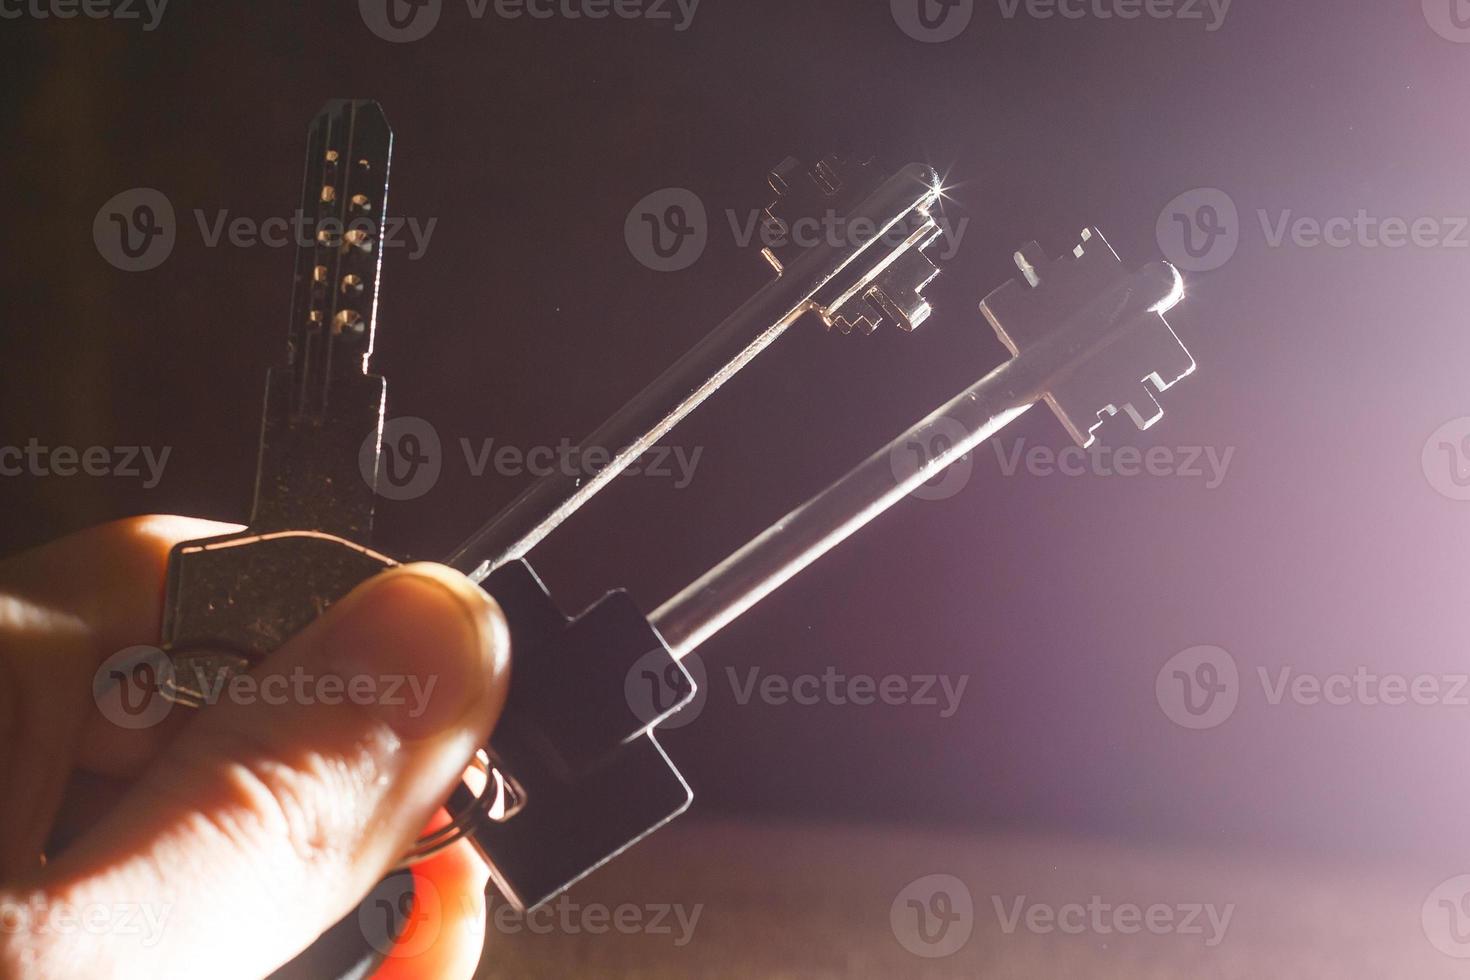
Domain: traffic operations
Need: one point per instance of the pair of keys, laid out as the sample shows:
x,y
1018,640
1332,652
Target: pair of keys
x,y
575,771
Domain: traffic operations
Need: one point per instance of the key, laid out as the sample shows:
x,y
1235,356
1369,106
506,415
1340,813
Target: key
x,y
1088,338
581,759
233,599
855,282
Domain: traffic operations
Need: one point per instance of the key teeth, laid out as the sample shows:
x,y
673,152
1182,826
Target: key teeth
x,y
890,292
835,184
896,296
1117,378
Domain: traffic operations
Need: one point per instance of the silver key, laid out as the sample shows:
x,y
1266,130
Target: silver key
x,y
854,283
1089,338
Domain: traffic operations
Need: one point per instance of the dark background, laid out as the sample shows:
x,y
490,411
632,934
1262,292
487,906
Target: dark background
x,y
528,320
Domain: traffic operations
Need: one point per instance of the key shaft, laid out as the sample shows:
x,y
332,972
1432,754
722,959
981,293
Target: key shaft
x,y
832,277
1110,321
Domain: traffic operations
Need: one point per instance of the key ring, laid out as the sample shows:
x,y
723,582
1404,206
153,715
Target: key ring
x,y
483,807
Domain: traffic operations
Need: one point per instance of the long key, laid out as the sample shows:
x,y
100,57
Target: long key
x,y
579,753
233,599
873,273
1088,338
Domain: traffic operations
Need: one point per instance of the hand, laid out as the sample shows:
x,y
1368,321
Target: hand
x,y
222,842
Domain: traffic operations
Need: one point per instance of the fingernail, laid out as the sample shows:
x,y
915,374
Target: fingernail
x,y
420,645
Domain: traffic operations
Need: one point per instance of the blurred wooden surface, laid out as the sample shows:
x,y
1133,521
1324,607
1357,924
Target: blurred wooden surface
x,y
803,901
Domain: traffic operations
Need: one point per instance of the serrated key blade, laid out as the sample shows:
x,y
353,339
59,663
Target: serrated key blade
x,y
892,293
1141,358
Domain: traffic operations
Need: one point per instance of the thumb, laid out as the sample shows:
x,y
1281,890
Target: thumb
x,y
277,809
